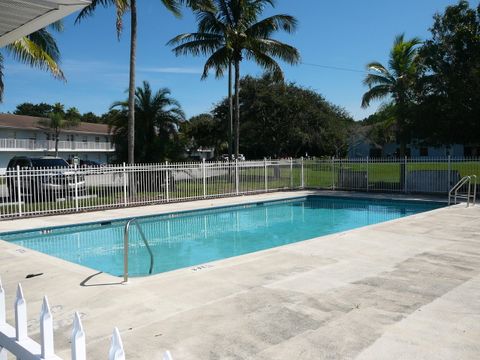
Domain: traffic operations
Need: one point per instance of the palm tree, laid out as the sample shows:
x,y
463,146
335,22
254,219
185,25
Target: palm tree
x,y
395,81
58,121
158,116
38,50
233,32
121,7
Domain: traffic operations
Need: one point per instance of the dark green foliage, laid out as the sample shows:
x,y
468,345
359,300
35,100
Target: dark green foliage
x,y
90,117
205,131
158,117
45,110
29,109
437,97
285,120
381,126
448,108
395,81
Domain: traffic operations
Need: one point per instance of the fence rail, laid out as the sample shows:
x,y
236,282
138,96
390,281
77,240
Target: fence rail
x,y
49,145
15,339
42,191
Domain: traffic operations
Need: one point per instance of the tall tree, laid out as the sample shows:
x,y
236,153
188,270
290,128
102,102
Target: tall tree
x,y
396,81
449,87
57,121
205,131
121,7
38,50
285,120
233,32
158,116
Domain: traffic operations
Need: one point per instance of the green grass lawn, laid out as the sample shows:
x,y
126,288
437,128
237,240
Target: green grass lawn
x,y
321,174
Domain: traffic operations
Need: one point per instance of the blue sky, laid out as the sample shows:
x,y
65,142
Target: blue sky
x,y
346,34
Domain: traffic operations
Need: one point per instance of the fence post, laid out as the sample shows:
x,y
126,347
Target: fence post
x,y
302,181
46,330
78,339
125,201
266,173
167,181
237,179
116,351
405,176
449,174
368,162
20,315
76,186
19,192
333,173
291,173
204,175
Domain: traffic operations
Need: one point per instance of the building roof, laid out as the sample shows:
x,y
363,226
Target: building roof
x,y
22,17
23,122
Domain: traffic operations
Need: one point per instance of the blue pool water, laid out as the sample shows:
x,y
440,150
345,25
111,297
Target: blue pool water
x,y
191,238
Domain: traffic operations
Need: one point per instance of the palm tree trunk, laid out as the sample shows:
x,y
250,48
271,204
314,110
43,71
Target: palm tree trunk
x,y
131,85
237,108
57,134
230,110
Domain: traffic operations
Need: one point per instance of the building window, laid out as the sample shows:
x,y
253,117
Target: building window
x,y
84,139
424,151
97,138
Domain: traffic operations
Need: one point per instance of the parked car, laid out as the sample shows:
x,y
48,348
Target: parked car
x,y
89,163
43,179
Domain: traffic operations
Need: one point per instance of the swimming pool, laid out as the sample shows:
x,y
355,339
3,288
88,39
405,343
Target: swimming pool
x,y
190,238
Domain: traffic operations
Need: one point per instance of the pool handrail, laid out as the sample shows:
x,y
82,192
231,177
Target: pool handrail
x,y
454,190
125,247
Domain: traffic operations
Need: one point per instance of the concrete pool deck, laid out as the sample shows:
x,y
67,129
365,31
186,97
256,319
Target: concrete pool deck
x,y
403,289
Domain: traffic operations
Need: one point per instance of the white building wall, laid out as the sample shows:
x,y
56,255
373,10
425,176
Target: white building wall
x,y
20,134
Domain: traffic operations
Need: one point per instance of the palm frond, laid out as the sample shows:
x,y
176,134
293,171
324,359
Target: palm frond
x,y
173,6
121,7
197,47
27,51
56,26
218,61
123,105
266,27
45,41
375,93
268,63
209,22
275,48
374,79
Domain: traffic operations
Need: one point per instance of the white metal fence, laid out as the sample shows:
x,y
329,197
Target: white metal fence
x,y
15,339
41,191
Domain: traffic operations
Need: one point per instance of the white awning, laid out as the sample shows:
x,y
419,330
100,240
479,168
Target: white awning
x,y
22,17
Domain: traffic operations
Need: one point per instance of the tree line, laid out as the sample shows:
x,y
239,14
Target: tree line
x,y
229,31
432,87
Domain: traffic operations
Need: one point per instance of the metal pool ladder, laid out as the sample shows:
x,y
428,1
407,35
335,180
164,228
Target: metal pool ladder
x,y
126,232
469,196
